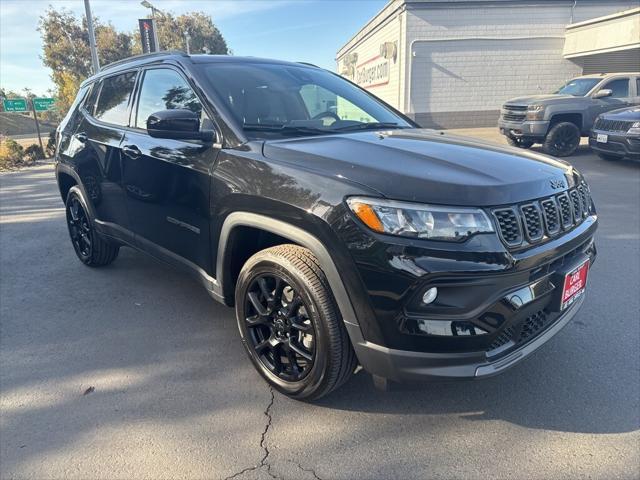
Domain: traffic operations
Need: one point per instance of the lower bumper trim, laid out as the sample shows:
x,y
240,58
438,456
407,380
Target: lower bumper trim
x,y
402,365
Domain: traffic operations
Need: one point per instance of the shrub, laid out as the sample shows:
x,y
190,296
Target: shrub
x,y
11,153
33,153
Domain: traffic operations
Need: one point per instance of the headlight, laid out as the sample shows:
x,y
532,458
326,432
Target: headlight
x,y
419,220
535,112
634,129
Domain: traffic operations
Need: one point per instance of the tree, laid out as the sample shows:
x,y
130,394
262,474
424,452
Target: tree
x,y
65,48
205,36
65,44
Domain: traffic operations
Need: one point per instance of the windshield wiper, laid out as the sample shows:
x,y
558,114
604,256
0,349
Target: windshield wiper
x,y
368,126
282,128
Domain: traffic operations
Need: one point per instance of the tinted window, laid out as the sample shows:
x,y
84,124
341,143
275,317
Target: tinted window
x,y
283,100
164,89
619,88
637,87
114,99
90,104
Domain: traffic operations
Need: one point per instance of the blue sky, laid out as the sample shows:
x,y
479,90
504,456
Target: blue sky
x,y
299,30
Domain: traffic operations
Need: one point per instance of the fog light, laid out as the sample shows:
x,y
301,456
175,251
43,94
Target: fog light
x,y
430,295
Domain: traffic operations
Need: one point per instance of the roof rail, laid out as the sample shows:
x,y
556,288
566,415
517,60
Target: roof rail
x,y
308,64
143,56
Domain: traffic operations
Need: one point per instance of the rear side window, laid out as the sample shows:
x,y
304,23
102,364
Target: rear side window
x,y
619,88
637,87
164,89
66,121
113,101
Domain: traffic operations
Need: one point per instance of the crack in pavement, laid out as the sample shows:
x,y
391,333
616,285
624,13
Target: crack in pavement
x,y
263,461
309,470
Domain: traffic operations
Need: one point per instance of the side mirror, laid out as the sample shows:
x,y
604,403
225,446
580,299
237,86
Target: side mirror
x,y
605,92
177,124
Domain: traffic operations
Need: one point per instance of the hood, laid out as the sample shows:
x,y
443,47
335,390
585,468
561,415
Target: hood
x,y
628,114
535,99
428,166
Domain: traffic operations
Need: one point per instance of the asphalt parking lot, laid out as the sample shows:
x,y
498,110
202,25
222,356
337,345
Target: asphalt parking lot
x,y
132,371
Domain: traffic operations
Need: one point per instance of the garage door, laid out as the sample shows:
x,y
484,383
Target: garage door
x,y
460,83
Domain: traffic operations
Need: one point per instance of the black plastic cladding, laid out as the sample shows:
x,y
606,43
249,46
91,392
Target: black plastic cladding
x,y
533,221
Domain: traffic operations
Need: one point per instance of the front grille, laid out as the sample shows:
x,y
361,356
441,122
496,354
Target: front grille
x,y
514,113
566,214
509,226
532,220
612,125
551,215
543,218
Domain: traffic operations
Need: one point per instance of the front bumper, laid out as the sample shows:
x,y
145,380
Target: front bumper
x,y
404,340
526,129
401,365
618,144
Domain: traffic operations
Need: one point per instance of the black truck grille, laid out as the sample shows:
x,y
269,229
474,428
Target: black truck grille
x,y
612,125
543,218
514,113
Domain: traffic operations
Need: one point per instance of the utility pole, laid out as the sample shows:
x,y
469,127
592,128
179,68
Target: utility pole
x,y
187,37
92,38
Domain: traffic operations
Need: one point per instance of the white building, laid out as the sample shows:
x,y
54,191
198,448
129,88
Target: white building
x,y
454,63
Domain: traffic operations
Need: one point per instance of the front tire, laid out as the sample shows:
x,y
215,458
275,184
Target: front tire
x,y
562,140
90,247
290,325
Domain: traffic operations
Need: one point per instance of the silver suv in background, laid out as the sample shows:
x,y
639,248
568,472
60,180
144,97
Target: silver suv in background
x,y
558,120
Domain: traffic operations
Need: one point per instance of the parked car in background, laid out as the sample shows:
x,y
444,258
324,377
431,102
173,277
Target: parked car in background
x,y
616,134
558,120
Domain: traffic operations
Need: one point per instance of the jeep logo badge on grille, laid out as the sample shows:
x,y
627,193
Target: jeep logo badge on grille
x,y
557,184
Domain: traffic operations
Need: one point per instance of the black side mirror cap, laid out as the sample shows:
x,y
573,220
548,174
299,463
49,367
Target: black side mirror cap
x,y
177,124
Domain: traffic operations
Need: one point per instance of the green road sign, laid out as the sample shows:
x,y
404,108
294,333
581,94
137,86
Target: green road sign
x,y
15,105
43,104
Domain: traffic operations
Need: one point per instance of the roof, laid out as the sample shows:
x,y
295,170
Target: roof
x,y
156,57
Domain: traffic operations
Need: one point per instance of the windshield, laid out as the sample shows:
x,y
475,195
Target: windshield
x,y
578,87
272,100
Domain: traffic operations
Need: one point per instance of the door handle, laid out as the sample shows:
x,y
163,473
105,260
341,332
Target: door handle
x,y
131,151
81,137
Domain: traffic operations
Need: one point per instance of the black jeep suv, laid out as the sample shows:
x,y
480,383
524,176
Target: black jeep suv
x,y
342,232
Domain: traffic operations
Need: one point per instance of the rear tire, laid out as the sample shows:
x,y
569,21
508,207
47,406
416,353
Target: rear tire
x,y
562,140
520,143
290,325
91,248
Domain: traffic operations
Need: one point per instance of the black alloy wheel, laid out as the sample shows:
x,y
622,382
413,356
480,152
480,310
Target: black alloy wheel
x,y
90,247
290,324
280,330
562,140
80,228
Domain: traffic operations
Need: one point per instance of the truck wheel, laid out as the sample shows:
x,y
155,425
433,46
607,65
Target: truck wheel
x,y
517,142
90,247
290,325
562,140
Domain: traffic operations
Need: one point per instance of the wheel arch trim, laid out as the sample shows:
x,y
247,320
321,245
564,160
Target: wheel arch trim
x,y
302,238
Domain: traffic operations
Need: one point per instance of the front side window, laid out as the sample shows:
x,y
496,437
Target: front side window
x,y
286,100
113,102
619,88
164,89
578,87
